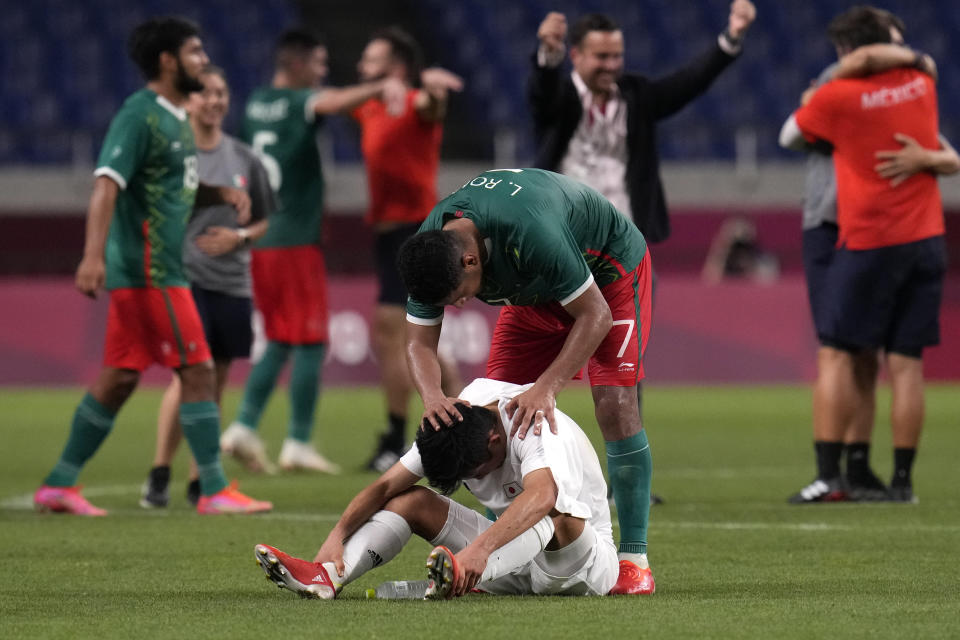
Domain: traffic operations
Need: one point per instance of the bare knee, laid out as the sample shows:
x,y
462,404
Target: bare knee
x,y
198,382
617,411
424,510
114,386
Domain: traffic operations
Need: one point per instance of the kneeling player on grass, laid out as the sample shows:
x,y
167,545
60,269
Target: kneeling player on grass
x,y
552,535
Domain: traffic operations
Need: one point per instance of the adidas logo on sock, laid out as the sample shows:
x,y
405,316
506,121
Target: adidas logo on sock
x,y
319,578
377,560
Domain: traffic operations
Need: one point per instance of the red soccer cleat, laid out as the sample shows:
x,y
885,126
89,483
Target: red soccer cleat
x,y
633,580
442,571
308,579
64,500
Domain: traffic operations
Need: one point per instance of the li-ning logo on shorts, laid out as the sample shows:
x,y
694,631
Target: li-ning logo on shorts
x,y
626,366
512,490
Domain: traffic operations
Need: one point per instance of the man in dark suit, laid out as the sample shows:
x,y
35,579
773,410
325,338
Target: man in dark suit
x,y
597,123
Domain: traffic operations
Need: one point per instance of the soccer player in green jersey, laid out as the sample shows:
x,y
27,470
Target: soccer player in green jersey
x,y
289,276
574,277
146,184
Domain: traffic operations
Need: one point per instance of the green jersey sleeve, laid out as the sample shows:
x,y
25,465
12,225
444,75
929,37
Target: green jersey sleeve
x,y
125,148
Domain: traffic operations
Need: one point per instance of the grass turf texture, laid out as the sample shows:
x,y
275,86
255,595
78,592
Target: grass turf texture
x,y
731,558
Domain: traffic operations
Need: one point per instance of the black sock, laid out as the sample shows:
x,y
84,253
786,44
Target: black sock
x,y
160,477
858,460
828,459
902,466
395,433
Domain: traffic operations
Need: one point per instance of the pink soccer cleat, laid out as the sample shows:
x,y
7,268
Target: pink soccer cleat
x,y
308,579
64,500
229,500
634,580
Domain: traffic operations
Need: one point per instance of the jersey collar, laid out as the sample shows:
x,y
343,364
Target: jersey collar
x,y
178,112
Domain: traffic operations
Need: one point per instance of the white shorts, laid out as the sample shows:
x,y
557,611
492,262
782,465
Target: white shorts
x,y
586,567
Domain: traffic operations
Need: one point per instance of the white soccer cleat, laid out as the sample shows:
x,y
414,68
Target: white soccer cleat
x,y
301,455
244,444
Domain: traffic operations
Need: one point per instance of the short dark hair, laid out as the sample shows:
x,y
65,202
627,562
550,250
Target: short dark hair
x,y
891,20
429,265
295,43
858,26
591,22
403,48
151,38
453,453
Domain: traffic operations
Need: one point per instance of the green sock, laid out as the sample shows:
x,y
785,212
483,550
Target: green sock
x,y
200,422
304,389
91,424
260,384
630,468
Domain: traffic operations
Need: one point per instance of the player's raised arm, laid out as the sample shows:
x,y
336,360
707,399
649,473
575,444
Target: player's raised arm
x,y
92,270
366,503
343,99
592,322
534,504
431,100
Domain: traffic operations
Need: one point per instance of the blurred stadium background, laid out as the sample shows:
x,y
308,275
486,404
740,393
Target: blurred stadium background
x,y
65,73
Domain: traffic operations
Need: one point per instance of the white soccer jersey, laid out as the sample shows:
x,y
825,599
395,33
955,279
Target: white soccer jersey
x,y
581,489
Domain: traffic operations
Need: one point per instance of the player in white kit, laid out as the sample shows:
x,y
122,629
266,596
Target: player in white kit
x,y
552,534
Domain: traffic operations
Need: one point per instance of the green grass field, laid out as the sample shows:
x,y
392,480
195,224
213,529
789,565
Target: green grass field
x,y
731,558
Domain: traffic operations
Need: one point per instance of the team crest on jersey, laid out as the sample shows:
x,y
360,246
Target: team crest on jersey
x,y
512,489
239,181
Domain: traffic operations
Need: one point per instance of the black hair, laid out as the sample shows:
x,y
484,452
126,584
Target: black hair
x,y
149,39
403,48
295,43
591,22
891,20
454,453
429,265
858,26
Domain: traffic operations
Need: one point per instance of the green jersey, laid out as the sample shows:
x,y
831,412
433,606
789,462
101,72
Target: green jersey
x,y
547,238
149,152
281,126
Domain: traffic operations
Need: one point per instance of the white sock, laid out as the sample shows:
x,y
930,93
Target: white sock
x,y
376,542
518,551
639,559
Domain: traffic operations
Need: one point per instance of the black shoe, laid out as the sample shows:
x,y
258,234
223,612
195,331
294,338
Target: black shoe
x,y
388,452
832,490
155,493
867,488
903,493
193,492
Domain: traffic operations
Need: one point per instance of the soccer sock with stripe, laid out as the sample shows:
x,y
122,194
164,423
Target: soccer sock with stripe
x,y
630,468
304,389
91,424
376,542
260,383
200,422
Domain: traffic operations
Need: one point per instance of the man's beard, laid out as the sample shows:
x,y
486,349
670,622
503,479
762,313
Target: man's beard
x,y
184,83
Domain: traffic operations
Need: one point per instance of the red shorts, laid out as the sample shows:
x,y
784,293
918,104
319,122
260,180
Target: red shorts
x,y
290,290
148,325
527,340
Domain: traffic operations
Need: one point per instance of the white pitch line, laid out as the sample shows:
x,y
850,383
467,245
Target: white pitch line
x,y
25,503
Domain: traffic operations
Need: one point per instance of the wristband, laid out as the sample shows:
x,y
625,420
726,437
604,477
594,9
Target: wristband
x,y
244,236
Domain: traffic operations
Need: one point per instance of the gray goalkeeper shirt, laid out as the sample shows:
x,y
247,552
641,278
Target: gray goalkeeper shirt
x,y
233,164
